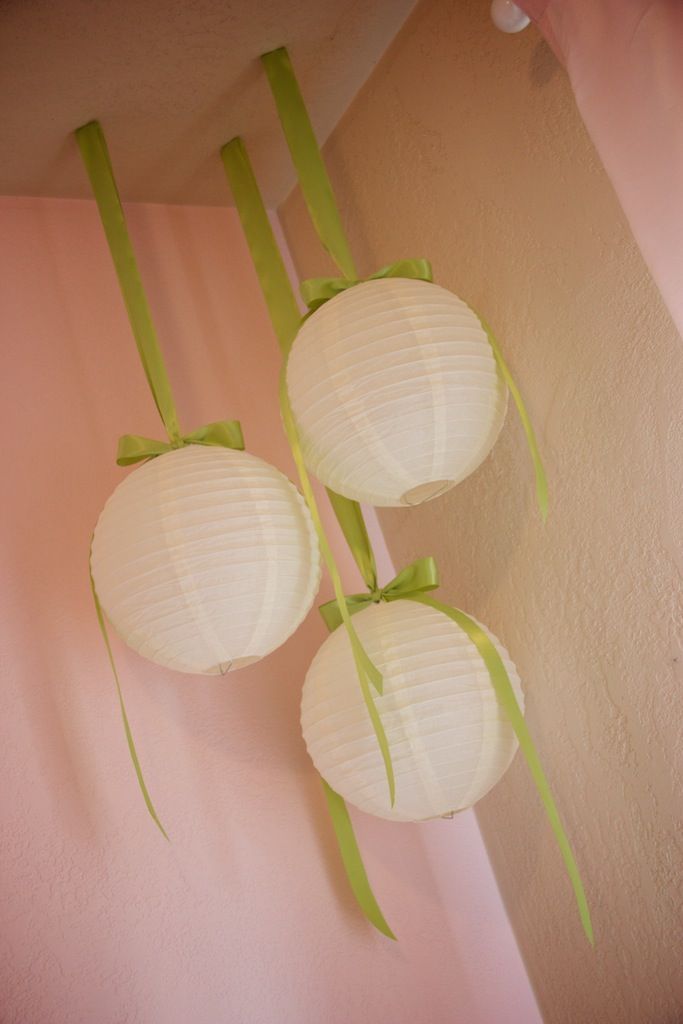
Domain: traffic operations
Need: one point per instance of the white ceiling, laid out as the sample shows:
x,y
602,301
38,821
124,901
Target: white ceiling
x,y
171,81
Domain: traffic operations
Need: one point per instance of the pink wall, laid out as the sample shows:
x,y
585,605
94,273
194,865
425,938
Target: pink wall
x,y
245,916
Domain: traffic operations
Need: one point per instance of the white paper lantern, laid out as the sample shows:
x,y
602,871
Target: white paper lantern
x,y
205,559
395,391
449,739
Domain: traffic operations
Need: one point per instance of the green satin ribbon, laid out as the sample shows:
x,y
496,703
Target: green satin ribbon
x,y
532,444
353,862
133,448
268,263
417,578
124,717
316,291
95,154
350,517
307,158
223,433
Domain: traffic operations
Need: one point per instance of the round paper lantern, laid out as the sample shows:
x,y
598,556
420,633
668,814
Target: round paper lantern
x,y
449,739
205,559
395,391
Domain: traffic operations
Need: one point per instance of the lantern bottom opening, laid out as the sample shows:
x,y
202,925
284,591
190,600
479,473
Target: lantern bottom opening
x,y
426,491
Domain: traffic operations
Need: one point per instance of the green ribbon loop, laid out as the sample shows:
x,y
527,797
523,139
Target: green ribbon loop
x,y
223,434
318,290
417,578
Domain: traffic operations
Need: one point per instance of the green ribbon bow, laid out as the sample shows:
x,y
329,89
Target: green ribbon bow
x,y
417,578
136,448
318,290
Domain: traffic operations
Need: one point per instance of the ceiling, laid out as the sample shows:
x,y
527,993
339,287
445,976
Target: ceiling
x,y
171,81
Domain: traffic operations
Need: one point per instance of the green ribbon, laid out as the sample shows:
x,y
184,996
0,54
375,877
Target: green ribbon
x,y
317,290
124,717
95,154
417,578
350,517
135,448
307,158
268,263
353,862
532,444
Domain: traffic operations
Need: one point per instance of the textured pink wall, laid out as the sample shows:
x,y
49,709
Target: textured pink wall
x,y
245,916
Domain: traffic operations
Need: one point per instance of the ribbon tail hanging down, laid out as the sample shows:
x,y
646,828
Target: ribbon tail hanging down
x,y
532,443
124,716
508,701
353,862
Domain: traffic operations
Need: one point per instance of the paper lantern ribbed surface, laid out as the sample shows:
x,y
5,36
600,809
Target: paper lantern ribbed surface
x,y
450,741
205,559
395,391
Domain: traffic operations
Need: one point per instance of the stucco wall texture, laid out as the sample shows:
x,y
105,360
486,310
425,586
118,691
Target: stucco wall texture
x,y
465,146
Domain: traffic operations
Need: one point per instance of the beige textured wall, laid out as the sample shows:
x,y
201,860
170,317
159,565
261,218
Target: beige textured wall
x,y
465,146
